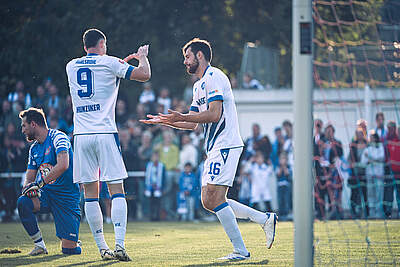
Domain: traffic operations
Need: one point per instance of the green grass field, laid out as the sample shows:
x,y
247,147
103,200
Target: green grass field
x,y
338,243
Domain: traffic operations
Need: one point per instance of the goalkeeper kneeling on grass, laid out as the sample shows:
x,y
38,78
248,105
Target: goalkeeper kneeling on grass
x,y
49,186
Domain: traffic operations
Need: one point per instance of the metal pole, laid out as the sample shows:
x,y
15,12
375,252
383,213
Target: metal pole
x,y
303,125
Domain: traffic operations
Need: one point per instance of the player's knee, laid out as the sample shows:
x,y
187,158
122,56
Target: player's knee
x,y
208,203
24,204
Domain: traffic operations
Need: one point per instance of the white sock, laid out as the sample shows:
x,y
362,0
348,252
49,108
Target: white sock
x,y
38,240
245,212
119,214
227,218
95,220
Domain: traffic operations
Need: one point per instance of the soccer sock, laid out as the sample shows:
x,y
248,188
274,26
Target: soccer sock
x,y
28,220
72,251
119,213
95,220
244,212
227,218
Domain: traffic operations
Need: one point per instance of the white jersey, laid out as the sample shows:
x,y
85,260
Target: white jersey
x,y
94,83
213,86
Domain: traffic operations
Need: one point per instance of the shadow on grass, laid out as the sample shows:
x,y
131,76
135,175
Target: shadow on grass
x,y
21,260
227,263
27,260
101,263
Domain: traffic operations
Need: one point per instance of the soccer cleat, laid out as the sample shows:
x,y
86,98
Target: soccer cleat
x,y
107,254
120,253
235,257
38,251
269,228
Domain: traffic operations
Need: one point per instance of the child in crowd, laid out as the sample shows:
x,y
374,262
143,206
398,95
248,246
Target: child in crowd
x,y
187,193
261,175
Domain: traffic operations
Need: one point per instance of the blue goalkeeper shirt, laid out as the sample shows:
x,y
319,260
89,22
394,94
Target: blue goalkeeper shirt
x,y
43,157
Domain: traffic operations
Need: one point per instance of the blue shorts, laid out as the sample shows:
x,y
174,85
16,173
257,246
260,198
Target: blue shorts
x,y
66,213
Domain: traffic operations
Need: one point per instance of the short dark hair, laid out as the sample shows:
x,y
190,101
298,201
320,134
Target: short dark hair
x,y
379,114
34,114
92,36
197,45
287,123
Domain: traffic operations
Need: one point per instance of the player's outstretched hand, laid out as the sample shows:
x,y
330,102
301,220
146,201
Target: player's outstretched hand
x,y
31,190
142,51
171,117
152,119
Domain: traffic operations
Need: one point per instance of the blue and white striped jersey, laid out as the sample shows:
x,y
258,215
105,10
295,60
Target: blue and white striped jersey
x,y
94,83
43,157
214,86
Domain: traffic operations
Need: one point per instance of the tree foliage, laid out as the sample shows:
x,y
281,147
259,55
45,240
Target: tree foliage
x,y
40,37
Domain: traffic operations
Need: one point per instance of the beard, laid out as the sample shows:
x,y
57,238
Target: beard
x,y
192,68
30,137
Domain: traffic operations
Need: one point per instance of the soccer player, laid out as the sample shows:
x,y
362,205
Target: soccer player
x,y
94,81
214,106
49,185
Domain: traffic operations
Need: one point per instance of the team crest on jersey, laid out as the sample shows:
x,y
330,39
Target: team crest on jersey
x,y
44,170
47,150
121,61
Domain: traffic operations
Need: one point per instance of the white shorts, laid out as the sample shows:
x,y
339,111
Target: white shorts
x,y
220,166
98,156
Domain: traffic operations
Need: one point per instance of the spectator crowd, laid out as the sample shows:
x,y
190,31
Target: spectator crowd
x,y
172,161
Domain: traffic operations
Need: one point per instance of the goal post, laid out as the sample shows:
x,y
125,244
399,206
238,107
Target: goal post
x,y
302,32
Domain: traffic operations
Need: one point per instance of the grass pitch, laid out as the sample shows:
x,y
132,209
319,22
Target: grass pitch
x,y
337,243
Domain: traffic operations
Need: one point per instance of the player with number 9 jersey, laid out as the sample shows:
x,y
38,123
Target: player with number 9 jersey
x,y
94,82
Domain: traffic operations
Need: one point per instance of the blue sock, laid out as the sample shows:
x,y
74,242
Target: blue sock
x,y
28,219
72,251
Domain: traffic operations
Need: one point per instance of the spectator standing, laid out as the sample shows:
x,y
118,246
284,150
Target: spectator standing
x,y
155,175
187,193
251,141
333,152
121,113
277,146
261,175
169,156
284,180
380,129
19,95
374,157
54,99
392,181
188,153
129,154
147,97
164,99
357,180
244,182
288,145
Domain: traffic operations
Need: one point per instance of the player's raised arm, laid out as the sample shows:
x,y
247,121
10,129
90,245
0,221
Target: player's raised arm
x,y
142,72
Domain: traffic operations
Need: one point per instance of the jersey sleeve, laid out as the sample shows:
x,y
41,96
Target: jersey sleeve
x,y
120,68
32,165
194,106
61,142
214,90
